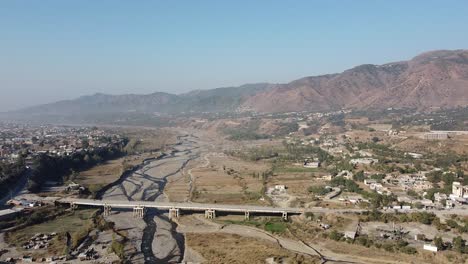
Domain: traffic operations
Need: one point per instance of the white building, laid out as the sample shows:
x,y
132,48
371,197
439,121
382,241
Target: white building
x,y
459,190
365,161
430,247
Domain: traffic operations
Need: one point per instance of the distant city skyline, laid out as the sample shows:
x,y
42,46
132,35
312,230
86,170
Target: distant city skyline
x,y
55,50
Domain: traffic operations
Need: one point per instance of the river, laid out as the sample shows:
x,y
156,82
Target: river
x,y
159,241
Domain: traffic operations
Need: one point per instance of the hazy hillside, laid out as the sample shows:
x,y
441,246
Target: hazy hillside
x,y
432,79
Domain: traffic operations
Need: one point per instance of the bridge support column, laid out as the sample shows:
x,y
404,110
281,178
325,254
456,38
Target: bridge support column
x,y
107,210
73,206
247,215
139,211
210,214
173,213
285,216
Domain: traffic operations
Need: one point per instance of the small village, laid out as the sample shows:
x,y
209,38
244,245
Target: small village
x,y
27,141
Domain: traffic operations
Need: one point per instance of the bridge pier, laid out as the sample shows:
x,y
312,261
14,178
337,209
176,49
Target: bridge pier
x,y
107,210
210,214
247,215
139,211
73,206
173,213
285,216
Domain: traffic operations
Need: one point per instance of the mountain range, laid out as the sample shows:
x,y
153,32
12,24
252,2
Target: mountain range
x,y
430,80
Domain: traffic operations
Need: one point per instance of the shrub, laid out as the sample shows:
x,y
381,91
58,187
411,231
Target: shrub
x,y
408,250
275,227
118,248
335,235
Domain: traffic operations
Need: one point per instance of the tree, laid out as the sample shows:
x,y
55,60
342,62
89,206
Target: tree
x,y
438,242
85,143
375,139
359,176
335,235
97,159
458,244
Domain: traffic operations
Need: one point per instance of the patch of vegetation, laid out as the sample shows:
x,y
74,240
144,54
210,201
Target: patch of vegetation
x,y
54,168
10,174
268,224
319,190
76,224
245,132
118,247
287,169
275,227
420,217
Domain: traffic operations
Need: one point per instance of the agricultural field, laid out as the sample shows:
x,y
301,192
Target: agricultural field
x,y
225,179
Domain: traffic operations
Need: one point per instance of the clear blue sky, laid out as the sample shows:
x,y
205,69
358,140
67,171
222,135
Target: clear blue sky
x,y
51,50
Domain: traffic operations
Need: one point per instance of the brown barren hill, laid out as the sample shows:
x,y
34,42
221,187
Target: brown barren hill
x,y
432,79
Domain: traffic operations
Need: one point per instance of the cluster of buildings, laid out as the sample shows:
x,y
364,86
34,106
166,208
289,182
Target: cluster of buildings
x,y
18,140
415,181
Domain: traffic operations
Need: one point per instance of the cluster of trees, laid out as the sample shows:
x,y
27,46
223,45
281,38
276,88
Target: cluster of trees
x,y
398,246
297,152
457,244
240,134
286,128
376,200
341,165
55,168
264,175
245,132
447,159
10,173
319,190
461,228
348,185
255,154
436,177
420,217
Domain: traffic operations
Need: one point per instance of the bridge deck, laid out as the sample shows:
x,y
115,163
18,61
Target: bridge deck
x,y
200,207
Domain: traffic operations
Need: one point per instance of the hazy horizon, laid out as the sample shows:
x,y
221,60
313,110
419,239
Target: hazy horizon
x,y
55,50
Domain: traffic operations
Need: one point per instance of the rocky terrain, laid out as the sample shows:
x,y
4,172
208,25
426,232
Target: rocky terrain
x,y
154,237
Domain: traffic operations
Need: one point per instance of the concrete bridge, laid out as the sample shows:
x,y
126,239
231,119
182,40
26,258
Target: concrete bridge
x,y
174,209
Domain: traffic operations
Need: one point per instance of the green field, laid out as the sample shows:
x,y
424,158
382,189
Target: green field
x,y
294,170
268,224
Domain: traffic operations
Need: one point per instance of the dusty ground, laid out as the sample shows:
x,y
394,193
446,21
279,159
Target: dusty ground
x,y
228,247
196,225
72,223
373,255
412,228
225,179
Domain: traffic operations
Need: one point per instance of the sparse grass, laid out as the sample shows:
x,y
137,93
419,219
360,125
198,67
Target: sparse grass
x,y
101,174
77,224
287,169
244,222
231,248
269,224
147,140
